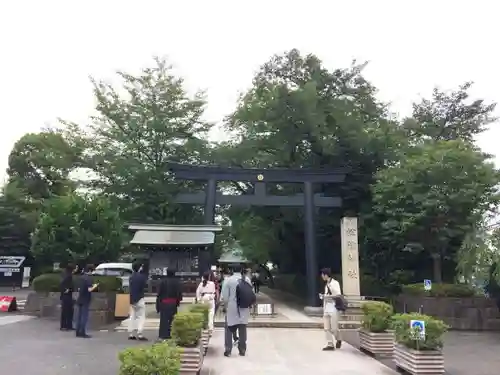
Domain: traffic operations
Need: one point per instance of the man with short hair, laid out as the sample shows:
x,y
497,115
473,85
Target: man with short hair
x,y
83,302
236,316
137,284
330,312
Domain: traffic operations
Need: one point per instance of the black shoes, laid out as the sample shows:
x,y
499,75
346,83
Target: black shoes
x,y
328,348
138,337
227,354
84,336
338,344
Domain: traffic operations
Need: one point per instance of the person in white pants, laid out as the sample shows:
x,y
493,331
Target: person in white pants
x,y
137,316
330,313
205,293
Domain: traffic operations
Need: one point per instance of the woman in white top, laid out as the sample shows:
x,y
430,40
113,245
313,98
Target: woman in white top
x,y
205,293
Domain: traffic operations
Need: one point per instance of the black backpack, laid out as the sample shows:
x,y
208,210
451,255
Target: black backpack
x,y
245,297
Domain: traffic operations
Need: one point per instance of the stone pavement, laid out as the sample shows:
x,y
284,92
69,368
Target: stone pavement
x,y
288,352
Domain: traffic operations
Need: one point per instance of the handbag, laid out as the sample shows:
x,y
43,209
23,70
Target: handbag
x,y
340,301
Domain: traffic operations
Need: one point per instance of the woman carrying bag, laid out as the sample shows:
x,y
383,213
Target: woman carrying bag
x,y
206,293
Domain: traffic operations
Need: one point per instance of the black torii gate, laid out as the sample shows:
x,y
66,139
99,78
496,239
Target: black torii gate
x,y
259,177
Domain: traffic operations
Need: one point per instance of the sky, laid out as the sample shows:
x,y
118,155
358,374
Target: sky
x,y
48,50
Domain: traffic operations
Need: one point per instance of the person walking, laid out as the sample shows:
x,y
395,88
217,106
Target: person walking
x,y
330,313
237,297
167,302
67,302
83,302
256,281
137,284
206,293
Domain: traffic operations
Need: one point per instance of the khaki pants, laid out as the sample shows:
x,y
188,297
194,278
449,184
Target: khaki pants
x,y
137,317
331,327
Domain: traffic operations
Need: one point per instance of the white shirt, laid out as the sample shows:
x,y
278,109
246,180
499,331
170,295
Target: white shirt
x,y
207,292
332,289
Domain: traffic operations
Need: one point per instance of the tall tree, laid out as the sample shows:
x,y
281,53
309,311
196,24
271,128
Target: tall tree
x,y
434,196
74,228
450,115
142,126
298,114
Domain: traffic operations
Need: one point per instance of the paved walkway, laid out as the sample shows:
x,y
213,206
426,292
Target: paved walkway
x,y
289,352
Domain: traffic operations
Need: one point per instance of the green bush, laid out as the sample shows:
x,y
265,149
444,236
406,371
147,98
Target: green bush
x,y
186,329
203,309
377,316
160,359
440,290
50,282
434,330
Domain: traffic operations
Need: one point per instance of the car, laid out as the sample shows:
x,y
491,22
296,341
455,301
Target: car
x,y
121,270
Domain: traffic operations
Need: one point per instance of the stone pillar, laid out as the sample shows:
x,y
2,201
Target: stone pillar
x,y
350,256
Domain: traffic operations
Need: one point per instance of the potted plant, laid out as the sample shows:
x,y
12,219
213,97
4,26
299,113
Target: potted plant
x,y
203,309
186,332
375,336
419,352
160,359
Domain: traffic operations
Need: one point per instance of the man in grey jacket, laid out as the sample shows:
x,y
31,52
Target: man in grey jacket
x,y
236,317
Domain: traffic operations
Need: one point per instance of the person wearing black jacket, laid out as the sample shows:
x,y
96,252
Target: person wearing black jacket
x,y
67,302
167,302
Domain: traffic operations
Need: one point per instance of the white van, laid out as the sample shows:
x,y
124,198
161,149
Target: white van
x,y
121,270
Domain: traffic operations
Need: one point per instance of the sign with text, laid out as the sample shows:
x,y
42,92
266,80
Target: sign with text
x,y
264,309
350,256
427,284
418,329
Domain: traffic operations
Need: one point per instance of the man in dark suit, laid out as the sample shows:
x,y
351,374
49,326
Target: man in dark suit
x,y
67,303
83,302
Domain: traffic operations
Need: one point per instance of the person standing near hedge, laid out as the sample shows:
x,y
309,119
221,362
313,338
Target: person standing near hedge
x,y
67,302
83,302
167,302
330,312
206,293
137,284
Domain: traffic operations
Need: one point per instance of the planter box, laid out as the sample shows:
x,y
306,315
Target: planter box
x,y
191,360
376,343
416,362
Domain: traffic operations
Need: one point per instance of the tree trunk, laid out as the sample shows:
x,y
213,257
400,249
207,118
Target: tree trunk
x,y
437,268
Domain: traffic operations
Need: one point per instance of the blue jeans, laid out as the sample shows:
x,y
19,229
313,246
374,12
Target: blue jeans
x,y
82,319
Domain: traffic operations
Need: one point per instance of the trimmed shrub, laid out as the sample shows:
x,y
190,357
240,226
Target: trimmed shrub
x,y
434,331
440,290
160,359
203,309
186,329
376,316
50,282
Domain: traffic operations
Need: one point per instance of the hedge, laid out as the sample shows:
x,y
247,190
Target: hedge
x,y
161,359
434,331
376,316
50,282
440,290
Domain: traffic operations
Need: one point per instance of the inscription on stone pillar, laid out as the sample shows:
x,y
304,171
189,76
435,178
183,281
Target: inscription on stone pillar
x,y
350,256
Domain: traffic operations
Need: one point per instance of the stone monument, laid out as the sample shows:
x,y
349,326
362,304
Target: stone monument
x,y
350,256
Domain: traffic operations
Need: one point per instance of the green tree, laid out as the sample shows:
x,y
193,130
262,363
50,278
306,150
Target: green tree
x,y
15,229
298,114
75,228
40,164
434,196
143,125
450,115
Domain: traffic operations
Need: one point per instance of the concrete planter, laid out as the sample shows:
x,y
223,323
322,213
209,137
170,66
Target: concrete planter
x,y
205,338
191,360
376,343
417,362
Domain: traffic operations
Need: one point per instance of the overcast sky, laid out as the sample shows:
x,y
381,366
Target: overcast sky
x,y
49,48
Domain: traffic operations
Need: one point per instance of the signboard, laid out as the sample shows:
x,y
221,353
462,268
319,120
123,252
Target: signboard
x,y
11,261
26,277
418,329
427,284
264,309
8,303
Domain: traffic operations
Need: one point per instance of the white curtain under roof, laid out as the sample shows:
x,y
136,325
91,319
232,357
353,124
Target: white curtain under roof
x,y
159,237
